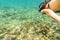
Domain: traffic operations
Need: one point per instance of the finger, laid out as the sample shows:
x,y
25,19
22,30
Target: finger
x,y
46,11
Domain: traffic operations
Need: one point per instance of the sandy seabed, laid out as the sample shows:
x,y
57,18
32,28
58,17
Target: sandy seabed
x,y
27,24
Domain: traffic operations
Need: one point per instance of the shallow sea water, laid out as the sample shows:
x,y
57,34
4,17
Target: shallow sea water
x,y
20,20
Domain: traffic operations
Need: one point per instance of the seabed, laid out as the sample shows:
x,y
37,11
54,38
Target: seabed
x,y
27,24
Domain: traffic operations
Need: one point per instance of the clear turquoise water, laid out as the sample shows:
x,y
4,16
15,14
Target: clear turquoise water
x,y
20,3
13,13
25,10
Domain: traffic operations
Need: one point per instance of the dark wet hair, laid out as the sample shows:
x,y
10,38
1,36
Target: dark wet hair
x,y
43,5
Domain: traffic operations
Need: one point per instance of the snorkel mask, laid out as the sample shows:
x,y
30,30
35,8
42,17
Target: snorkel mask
x,y
43,5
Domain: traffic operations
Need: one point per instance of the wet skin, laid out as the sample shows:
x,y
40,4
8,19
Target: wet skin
x,y
50,9
51,14
52,4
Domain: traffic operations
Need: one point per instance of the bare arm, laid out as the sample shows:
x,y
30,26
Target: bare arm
x,y
52,14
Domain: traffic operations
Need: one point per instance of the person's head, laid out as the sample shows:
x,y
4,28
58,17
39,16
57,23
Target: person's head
x,y
43,5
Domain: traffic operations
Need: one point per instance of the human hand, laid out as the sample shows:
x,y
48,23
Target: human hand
x,y
47,11
51,13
